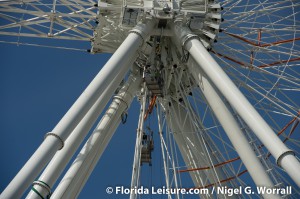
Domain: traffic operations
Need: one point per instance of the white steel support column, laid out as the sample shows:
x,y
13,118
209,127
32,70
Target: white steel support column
x,y
96,144
138,143
93,160
62,157
55,139
284,156
232,129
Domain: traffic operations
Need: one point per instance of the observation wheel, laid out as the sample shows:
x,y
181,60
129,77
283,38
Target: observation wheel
x,y
217,85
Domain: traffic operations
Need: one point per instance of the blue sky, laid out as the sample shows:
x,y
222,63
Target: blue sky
x,y
38,85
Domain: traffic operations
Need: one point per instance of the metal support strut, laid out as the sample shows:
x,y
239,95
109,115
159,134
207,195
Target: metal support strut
x,y
67,124
238,101
232,129
75,178
62,157
137,151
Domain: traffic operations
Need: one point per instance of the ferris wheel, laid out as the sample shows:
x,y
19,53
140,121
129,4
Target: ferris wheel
x,y
220,81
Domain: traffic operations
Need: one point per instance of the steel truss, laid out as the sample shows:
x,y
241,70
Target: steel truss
x,y
162,46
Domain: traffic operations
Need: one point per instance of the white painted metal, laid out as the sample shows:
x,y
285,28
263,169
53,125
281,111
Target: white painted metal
x,y
98,153
62,157
232,129
190,136
72,182
166,170
63,129
106,37
238,101
101,146
197,177
92,162
36,163
136,167
174,127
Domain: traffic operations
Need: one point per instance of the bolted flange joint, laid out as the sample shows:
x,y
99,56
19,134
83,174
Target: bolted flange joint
x,y
278,160
188,38
56,136
139,34
143,29
42,185
121,100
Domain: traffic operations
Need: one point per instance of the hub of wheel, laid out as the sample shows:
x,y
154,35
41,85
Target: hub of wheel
x,y
116,18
